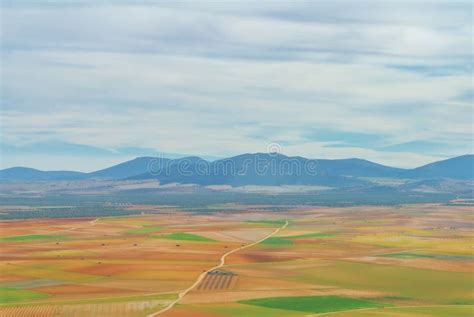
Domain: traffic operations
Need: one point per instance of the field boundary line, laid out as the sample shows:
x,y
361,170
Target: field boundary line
x,y
390,307
218,266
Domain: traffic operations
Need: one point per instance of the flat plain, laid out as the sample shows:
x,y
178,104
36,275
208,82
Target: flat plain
x,y
397,261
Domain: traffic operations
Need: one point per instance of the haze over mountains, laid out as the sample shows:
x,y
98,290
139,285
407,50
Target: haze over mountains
x,y
255,169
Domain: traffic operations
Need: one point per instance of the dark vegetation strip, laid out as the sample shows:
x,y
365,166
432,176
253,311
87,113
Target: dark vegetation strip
x,y
201,202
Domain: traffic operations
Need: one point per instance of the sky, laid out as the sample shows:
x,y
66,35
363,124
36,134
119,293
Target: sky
x,y
87,84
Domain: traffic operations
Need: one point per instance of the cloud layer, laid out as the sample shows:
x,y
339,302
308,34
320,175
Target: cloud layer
x,y
390,82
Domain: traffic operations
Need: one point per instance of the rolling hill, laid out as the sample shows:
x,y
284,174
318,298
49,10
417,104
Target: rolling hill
x,y
256,169
127,169
31,174
461,167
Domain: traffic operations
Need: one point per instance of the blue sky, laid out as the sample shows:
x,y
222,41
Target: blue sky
x,y
86,84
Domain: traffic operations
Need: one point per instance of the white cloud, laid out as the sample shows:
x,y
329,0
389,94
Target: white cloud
x,y
206,79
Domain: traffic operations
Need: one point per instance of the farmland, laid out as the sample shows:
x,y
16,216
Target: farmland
x,y
412,260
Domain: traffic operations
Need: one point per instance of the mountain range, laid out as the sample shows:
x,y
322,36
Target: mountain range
x,y
255,169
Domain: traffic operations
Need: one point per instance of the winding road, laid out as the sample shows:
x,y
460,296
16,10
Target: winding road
x,y
221,264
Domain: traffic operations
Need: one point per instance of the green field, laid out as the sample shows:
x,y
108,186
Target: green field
x,y
286,241
183,236
28,237
268,222
277,242
314,304
10,295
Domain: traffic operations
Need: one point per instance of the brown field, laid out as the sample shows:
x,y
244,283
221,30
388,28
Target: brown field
x,y
406,257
